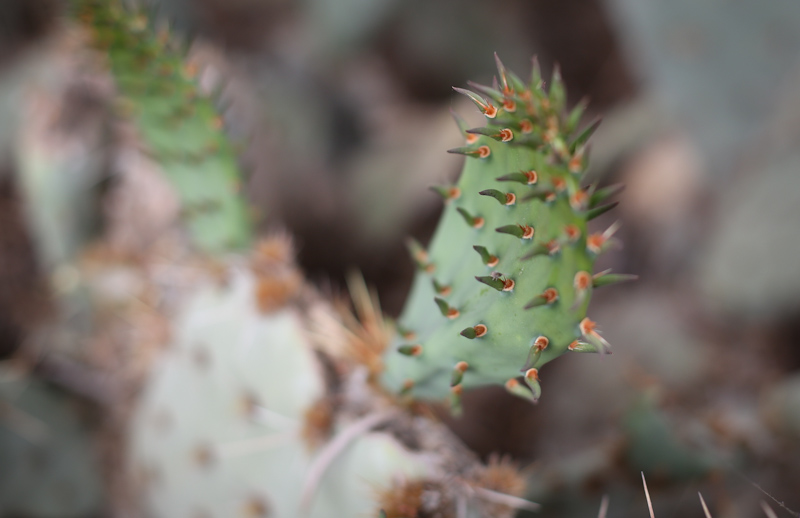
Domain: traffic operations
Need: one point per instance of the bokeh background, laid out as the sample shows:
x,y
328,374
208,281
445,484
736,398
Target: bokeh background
x,y
341,109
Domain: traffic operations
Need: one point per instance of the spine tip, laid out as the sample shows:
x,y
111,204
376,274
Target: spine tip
x,y
520,231
602,209
488,259
572,232
458,373
446,309
408,385
410,350
497,282
516,388
473,221
503,198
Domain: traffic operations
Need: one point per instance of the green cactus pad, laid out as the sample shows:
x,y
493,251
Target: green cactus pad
x,y
522,208
179,126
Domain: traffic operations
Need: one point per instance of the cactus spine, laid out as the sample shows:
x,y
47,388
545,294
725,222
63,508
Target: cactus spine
x,y
496,315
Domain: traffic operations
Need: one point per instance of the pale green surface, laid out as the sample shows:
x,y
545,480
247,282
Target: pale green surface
x,y
266,358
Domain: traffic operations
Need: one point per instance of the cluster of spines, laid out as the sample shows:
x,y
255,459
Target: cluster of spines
x,y
527,115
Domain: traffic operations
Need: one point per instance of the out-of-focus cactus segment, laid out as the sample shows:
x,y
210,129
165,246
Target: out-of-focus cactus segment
x,y
178,125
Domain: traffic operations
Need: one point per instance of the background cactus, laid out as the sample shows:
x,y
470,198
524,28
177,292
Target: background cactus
x,y
179,126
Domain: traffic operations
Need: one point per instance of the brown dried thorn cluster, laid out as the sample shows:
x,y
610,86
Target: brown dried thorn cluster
x,y
279,281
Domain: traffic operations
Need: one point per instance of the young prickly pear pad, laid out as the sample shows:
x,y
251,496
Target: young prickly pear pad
x,y
505,285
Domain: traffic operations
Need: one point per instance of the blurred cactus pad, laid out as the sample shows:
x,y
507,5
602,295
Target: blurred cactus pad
x,y
179,126
505,284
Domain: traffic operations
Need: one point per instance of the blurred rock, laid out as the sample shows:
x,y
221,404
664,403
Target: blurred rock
x,y
714,72
49,470
23,298
661,203
23,23
651,346
750,265
782,407
653,447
